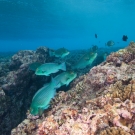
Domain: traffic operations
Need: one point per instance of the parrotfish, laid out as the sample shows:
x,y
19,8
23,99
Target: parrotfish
x,y
61,52
34,66
86,60
42,98
110,43
65,78
48,68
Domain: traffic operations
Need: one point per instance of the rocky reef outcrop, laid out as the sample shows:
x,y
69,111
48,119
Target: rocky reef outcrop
x,y
18,85
101,102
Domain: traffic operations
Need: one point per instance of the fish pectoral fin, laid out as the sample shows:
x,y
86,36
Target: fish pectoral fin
x,y
46,107
67,84
41,109
45,85
43,71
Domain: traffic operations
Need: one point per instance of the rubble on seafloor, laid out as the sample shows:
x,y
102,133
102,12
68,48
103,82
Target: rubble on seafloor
x,y
101,102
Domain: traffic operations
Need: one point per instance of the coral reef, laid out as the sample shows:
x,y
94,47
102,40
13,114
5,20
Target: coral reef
x,y
99,102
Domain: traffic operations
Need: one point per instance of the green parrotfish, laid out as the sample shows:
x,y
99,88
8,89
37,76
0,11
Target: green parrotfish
x,y
34,66
85,60
65,78
61,52
42,98
48,68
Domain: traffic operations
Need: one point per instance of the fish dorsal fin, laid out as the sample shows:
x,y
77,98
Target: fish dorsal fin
x,y
37,69
45,85
43,71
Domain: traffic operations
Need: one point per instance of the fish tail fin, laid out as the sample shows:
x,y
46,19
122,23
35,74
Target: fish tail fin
x,y
54,85
54,82
63,66
51,53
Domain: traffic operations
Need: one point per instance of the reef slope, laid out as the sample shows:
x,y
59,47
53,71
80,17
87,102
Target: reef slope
x,y
101,102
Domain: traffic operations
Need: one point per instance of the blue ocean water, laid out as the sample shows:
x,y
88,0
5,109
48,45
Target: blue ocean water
x,y
28,24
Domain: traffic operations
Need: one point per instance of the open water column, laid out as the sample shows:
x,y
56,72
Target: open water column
x,y
70,23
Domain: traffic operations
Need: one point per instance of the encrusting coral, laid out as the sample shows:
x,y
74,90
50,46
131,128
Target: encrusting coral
x,y
114,131
121,91
123,55
102,102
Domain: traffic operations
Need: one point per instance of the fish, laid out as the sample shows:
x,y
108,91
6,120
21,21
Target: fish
x,y
110,43
65,78
34,66
61,52
85,60
42,98
48,68
95,35
124,38
94,48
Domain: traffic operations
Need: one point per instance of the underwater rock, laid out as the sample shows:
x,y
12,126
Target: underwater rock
x,y
41,55
18,85
99,102
123,55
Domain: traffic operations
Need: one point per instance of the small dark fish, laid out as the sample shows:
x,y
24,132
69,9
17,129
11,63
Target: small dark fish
x,y
110,43
95,35
124,38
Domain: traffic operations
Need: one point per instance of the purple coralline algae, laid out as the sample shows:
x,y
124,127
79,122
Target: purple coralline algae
x,y
101,102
